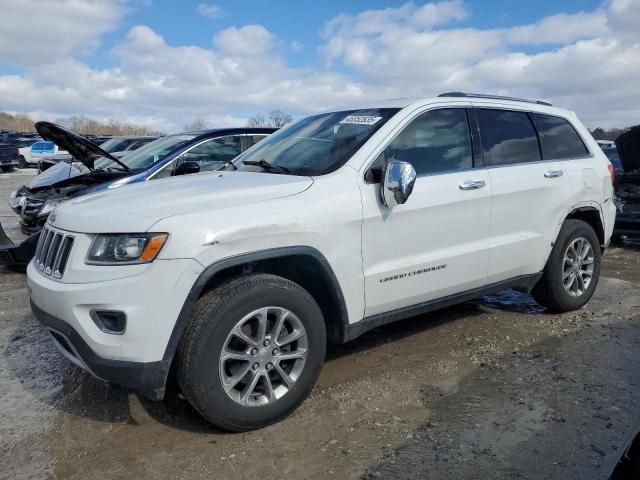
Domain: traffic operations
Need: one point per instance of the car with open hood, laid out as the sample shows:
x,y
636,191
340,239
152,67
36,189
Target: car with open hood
x,y
94,170
627,186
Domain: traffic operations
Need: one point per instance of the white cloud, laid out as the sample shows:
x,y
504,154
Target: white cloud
x,y
250,40
209,10
42,31
297,46
560,29
588,61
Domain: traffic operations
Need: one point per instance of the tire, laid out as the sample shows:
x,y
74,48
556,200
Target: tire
x,y
212,328
7,168
550,291
22,163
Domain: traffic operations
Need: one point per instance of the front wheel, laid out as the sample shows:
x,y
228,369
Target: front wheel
x,y
252,352
572,270
7,168
22,163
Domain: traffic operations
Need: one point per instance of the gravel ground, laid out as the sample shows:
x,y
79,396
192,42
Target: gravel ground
x,y
494,388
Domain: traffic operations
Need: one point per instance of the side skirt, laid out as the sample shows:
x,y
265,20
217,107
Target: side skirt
x,y
522,283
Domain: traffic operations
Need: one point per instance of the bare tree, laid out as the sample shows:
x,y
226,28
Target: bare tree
x,y
198,123
78,123
277,119
257,120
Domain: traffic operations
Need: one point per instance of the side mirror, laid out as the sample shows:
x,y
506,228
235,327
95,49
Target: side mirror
x,y
397,182
187,168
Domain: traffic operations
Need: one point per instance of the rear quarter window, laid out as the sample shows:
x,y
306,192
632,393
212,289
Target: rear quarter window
x,y
558,138
507,137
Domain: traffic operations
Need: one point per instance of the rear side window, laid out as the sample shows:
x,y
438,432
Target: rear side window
x,y
558,138
507,137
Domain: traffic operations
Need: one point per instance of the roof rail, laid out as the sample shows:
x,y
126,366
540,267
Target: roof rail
x,y
493,97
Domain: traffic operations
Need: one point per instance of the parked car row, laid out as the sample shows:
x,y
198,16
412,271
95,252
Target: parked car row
x,y
34,151
88,168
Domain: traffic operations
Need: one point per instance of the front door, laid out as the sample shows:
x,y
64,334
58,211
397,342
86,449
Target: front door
x,y
437,243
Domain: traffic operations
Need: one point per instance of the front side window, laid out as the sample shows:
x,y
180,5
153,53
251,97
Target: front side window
x,y
507,137
437,141
212,154
558,138
209,156
315,145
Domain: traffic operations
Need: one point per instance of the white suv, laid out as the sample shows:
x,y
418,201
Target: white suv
x,y
337,224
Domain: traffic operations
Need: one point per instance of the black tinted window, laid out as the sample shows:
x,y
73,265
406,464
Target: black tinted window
x,y
507,137
558,138
436,141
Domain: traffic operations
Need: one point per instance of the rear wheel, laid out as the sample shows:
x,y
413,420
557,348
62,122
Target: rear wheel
x,y
252,352
573,269
7,168
22,163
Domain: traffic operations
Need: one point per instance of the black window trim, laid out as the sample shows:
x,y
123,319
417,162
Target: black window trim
x,y
529,114
477,161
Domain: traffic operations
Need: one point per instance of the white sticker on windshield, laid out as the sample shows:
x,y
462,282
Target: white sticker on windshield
x,y
361,120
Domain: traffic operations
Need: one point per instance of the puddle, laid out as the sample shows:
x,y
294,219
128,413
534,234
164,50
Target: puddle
x,y
511,301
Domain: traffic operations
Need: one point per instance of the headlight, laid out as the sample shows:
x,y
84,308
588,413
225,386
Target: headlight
x,y
48,206
125,249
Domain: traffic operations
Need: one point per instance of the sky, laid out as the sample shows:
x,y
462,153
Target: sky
x,y
163,63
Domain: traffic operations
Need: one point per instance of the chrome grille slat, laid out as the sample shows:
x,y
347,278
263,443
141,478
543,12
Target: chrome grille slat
x,y
39,246
52,252
45,249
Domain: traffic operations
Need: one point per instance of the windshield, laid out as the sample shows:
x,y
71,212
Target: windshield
x,y
115,145
149,154
316,145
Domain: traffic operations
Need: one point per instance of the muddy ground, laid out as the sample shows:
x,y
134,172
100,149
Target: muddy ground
x,y
495,388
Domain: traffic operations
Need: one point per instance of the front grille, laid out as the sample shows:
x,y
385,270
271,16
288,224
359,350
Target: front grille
x,y
52,252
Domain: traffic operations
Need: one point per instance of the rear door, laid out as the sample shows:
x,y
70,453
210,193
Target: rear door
x,y
530,194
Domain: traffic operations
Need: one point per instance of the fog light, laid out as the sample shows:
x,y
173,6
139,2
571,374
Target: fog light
x,y
109,321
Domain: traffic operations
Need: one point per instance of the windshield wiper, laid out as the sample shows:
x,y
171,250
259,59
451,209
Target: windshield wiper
x,y
267,166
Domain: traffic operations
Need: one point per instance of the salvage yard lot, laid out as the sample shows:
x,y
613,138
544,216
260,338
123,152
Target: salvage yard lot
x,y
494,388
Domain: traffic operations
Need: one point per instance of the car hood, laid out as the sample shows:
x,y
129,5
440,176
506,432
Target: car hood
x,y
137,207
628,145
79,147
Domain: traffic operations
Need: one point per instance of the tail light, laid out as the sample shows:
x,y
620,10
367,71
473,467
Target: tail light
x,y
612,172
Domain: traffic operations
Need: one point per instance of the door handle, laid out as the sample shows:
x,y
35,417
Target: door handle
x,y
553,173
472,185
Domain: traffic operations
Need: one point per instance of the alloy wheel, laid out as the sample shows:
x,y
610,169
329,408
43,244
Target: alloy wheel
x,y
577,266
263,356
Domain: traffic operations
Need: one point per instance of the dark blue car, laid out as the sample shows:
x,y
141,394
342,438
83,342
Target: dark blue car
x,y
93,170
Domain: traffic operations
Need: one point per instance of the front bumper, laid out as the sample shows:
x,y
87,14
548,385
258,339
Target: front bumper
x,y
148,378
151,298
